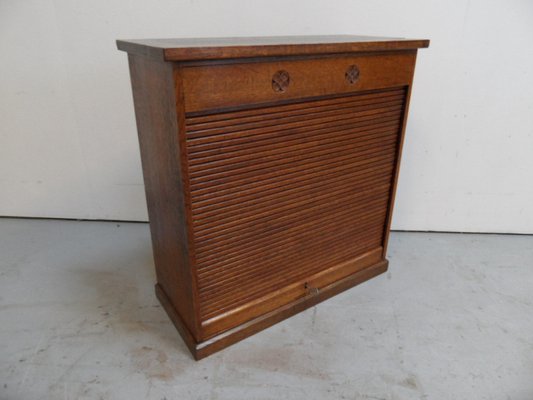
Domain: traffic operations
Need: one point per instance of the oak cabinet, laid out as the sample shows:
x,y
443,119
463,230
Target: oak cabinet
x,y
270,167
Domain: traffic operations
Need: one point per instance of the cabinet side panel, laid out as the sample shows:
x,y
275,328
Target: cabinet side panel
x,y
157,125
396,175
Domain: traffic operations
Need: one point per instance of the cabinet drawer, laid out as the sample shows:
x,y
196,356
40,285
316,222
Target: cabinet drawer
x,y
213,86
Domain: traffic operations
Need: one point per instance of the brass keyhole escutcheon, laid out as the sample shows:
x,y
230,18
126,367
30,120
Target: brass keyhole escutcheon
x,y
280,81
352,74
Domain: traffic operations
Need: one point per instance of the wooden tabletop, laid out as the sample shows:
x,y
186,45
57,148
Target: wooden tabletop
x,y
237,47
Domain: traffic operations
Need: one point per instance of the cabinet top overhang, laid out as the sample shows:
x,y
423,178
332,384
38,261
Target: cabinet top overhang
x,y
187,49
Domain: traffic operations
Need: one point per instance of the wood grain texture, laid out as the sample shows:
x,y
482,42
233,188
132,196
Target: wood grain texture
x,y
244,47
397,164
251,82
270,168
207,347
283,192
157,125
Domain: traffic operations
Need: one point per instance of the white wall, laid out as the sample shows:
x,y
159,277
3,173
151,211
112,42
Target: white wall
x,y
68,145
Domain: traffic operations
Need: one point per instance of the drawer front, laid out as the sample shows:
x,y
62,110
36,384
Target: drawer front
x,y
209,87
280,194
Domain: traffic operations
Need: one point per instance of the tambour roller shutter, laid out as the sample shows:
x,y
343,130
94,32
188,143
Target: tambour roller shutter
x,y
282,192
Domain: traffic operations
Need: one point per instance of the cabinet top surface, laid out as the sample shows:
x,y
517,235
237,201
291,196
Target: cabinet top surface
x,y
238,47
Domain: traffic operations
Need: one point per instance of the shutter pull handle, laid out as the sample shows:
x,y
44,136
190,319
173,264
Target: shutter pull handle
x,y
311,290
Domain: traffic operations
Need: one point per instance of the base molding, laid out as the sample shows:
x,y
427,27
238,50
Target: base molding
x,y
200,350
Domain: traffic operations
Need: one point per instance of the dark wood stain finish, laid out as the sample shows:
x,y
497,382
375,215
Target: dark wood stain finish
x,y
270,167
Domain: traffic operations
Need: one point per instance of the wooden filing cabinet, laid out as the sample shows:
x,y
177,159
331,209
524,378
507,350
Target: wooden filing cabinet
x,y
270,167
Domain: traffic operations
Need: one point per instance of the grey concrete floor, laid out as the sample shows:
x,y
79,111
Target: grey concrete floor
x,y
452,319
